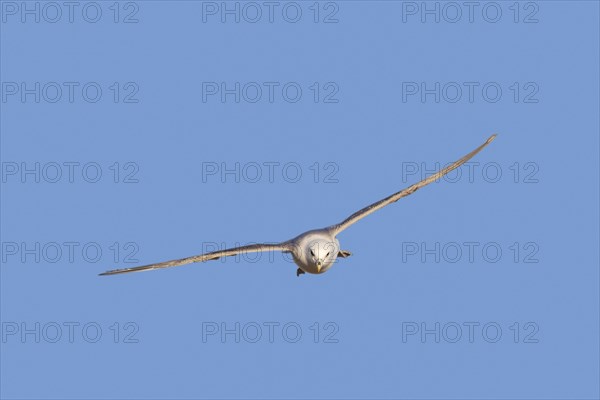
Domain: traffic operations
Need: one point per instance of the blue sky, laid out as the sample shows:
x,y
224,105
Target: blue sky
x,y
149,130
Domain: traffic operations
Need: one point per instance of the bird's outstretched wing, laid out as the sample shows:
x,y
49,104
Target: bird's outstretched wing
x,y
335,229
253,248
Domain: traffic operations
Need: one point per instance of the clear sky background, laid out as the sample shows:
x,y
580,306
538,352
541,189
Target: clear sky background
x,y
484,285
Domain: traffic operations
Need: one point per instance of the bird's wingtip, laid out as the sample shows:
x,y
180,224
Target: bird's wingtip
x,y
113,272
491,138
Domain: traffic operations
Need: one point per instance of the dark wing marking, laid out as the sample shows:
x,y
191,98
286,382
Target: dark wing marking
x,y
335,229
253,248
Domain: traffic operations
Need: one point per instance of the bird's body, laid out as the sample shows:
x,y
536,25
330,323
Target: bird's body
x,y
314,251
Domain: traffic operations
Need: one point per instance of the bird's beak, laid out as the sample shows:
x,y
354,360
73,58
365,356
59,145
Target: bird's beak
x,y
319,266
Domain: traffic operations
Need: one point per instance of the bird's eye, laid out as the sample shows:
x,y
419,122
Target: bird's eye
x,y
327,255
312,253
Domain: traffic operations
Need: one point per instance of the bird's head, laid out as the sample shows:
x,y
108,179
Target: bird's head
x,y
322,253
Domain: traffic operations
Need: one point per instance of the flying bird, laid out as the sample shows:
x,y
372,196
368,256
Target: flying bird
x,y
314,251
